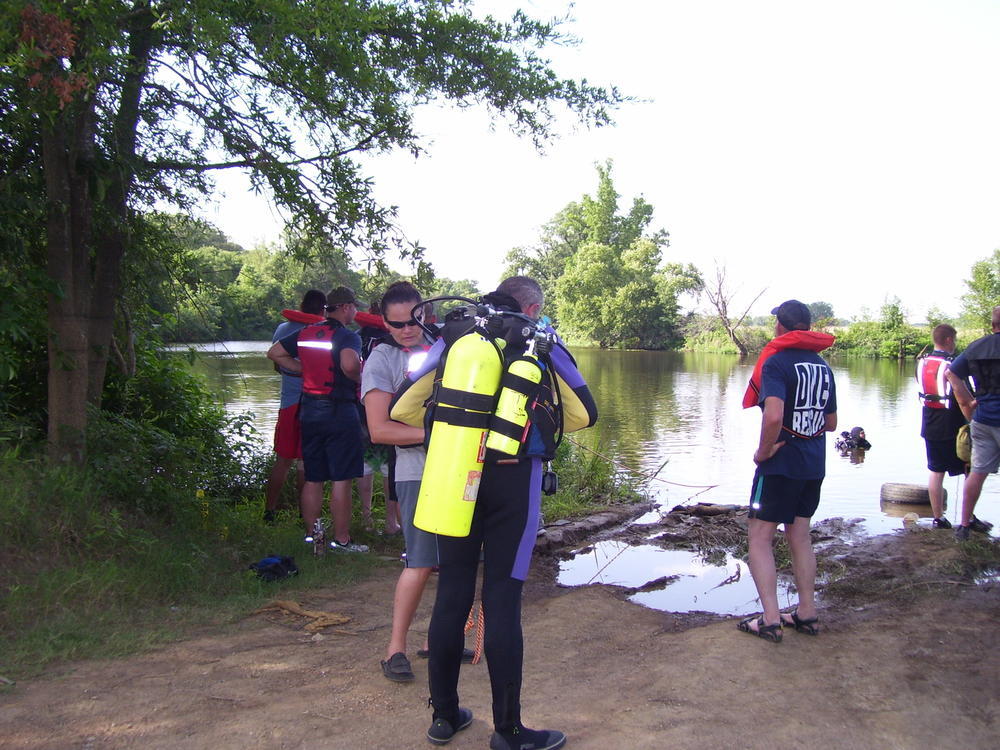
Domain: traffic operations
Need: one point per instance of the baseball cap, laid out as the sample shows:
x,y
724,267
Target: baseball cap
x,y
342,295
793,315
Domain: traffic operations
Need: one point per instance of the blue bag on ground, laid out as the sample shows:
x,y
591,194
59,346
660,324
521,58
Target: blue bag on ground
x,y
275,567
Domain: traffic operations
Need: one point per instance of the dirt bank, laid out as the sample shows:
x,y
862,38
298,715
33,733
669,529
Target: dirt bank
x,y
907,659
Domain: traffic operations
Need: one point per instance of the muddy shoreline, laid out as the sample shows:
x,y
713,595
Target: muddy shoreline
x,y
850,563
907,658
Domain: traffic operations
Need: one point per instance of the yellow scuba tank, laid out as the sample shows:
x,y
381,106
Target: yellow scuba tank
x,y
454,466
509,425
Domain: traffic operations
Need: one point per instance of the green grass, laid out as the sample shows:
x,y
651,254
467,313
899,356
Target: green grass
x,y
84,578
93,569
588,480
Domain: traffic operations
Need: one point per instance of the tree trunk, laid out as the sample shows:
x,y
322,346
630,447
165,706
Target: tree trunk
x,y
101,319
109,252
736,339
68,226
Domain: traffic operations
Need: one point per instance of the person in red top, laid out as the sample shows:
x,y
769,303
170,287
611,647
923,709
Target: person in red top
x,y
941,419
287,434
328,357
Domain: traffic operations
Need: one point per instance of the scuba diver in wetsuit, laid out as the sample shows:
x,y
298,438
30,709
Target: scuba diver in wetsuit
x,y
503,528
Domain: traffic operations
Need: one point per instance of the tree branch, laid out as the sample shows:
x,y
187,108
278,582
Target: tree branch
x,y
190,166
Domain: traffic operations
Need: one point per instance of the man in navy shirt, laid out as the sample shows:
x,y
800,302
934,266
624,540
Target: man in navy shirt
x,y
981,360
798,399
328,356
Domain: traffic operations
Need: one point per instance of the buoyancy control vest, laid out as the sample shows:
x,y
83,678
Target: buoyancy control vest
x,y
318,353
934,388
983,356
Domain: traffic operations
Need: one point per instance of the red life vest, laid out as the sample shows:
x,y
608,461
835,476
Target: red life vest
x,y
317,354
935,389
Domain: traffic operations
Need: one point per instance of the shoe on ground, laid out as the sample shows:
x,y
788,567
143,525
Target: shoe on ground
x,y
961,533
983,527
348,546
528,739
441,730
941,523
397,668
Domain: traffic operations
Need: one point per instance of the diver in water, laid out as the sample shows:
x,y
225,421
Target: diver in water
x,y
854,440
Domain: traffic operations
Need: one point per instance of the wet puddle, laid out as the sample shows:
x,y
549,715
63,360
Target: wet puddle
x,y
988,576
692,584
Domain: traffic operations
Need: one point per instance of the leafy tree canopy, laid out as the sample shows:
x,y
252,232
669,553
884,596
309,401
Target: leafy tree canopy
x,y
820,311
602,271
983,292
114,105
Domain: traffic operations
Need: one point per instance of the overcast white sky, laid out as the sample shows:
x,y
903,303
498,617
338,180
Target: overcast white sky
x,y
839,151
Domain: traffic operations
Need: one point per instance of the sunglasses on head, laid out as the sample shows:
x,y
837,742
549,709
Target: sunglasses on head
x,y
412,322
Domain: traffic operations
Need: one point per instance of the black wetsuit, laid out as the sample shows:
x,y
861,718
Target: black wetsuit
x,y
504,526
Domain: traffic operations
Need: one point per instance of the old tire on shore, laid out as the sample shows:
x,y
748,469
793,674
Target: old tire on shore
x,y
907,494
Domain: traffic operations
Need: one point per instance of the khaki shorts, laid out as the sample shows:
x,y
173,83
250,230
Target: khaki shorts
x,y
421,546
985,448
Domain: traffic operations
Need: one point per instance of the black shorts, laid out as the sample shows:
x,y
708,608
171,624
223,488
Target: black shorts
x,y
941,457
779,499
331,440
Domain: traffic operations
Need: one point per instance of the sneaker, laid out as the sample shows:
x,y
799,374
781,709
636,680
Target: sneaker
x,y
983,527
397,668
941,523
347,546
528,739
961,533
441,730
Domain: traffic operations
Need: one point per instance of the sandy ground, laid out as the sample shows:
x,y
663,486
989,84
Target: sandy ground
x,y
909,672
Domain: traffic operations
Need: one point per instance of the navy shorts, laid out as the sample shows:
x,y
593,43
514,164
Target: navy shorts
x,y
779,499
941,457
331,440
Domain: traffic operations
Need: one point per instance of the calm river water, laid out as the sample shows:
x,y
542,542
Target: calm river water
x,y
684,409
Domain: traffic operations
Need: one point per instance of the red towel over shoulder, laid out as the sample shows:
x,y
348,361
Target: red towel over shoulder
x,y
813,341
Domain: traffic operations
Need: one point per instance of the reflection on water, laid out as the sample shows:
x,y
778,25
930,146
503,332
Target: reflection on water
x,y
684,409
725,589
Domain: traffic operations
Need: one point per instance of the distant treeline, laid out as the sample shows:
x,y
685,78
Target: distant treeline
x,y
887,336
219,291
